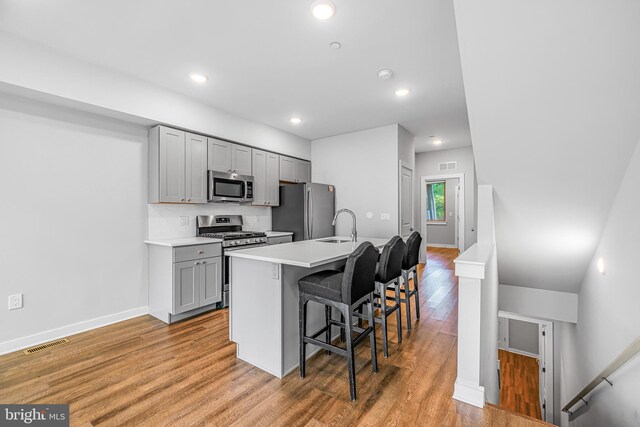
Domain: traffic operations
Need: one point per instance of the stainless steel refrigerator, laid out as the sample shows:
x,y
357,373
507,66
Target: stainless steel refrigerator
x,y
305,209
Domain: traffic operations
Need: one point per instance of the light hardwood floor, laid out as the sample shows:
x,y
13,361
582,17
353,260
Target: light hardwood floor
x,y
519,379
142,372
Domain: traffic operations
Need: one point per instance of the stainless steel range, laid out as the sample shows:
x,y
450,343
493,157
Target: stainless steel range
x,y
229,229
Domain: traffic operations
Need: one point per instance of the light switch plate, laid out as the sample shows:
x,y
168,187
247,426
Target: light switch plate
x,y
385,217
275,271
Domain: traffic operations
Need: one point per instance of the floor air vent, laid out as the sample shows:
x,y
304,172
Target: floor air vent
x,y
45,346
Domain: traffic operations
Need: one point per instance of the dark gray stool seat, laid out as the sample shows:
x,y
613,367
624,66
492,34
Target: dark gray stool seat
x,y
409,268
326,284
346,292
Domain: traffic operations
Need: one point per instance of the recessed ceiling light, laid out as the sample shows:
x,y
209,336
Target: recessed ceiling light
x,y
403,92
295,120
335,45
323,9
437,142
601,265
385,74
198,78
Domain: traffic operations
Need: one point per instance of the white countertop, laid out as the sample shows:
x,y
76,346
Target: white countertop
x,y
184,241
307,253
279,233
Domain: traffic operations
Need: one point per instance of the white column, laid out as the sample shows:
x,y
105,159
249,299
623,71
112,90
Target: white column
x,y
470,269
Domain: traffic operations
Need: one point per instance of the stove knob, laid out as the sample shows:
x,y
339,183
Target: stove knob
x,y
232,243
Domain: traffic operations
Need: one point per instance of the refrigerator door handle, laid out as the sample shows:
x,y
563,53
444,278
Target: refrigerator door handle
x,y
311,213
308,217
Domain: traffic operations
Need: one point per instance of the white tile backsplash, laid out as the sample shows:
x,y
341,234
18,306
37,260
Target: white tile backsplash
x,y
164,219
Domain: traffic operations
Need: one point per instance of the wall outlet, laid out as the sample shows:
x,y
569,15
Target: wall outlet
x,y
385,217
15,301
184,220
275,271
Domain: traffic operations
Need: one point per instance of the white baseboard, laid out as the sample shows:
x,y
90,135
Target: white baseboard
x,y
65,331
439,245
469,393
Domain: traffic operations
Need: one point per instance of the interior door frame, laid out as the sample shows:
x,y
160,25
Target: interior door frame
x,y
545,357
403,164
423,214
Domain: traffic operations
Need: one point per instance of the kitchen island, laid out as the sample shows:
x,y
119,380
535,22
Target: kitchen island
x,y
263,319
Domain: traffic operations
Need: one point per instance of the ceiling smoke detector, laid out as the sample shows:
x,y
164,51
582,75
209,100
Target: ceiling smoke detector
x,y
385,74
335,45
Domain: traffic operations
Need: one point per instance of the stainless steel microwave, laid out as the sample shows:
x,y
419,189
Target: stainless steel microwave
x,y
230,187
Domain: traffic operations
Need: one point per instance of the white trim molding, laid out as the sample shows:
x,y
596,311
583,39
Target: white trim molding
x,y
65,331
468,393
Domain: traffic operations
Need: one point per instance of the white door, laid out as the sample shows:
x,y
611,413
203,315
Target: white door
x,y
406,201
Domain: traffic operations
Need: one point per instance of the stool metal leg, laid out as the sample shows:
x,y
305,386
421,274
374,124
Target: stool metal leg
x,y
302,316
407,299
398,314
417,292
350,351
372,335
383,314
327,318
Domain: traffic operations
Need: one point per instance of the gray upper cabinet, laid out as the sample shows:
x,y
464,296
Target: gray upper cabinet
x,y
229,157
259,178
196,168
302,171
286,169
219,155
266,177
273,179
177,166
241,159
171,162
294,170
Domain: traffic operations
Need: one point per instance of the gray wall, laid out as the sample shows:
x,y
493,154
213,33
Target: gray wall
x,y
427,165
444,234
523,336
74,217
608,317
363,166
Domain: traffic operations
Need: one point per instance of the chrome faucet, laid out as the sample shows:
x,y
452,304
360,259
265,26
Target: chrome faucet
x,y
354,232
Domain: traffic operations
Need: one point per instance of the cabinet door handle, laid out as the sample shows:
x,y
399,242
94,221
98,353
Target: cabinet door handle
x,y
204,262
188,200
182,200
200,252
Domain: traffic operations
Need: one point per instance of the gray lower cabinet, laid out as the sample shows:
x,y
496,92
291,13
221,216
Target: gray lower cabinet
x,y
184,281
294,170
177,166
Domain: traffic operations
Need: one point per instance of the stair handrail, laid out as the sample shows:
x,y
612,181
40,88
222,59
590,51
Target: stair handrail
x,y
622,358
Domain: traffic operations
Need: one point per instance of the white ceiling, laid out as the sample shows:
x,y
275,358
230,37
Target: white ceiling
x,y
270,60
554,101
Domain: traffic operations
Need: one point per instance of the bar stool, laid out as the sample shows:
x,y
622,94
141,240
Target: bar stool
x,y
409,267
346,292
388,276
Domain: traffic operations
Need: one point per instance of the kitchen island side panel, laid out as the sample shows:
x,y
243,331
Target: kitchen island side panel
x,y
256,301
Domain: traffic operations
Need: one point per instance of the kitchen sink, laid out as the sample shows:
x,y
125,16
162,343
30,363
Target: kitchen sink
x,y
332,240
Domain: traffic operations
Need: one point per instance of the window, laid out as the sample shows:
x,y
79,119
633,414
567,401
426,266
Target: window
x,y
436,203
